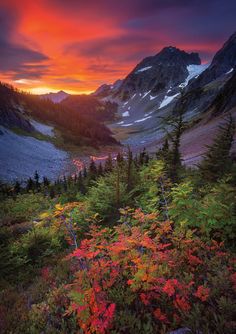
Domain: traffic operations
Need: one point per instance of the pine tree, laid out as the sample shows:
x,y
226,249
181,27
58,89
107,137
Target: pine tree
x,y
108,164
52,192
92,170
46,182
85,174
36,178
217,160
17,188
120,158
100,170
117,186
176,127
65,185
30,184
142,157
80,184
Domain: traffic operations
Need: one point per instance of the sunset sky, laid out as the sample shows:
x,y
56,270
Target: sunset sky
x,y
77,45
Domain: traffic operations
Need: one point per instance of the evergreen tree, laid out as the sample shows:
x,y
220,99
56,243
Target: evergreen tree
x,y
120,158
108,164
117,186
30,184
36,178
85,174
92,169
142,157
100,169
174,127
52,192
217,160
80,184
46,182
17,188
65,185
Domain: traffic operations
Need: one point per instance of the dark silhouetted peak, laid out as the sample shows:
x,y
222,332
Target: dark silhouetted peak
x,y
172,53
158,73
56,97
223,62
105,90
225,58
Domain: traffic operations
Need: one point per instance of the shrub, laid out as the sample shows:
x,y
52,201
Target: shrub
x,y
213,214
24,207
106,195
36,245
145,277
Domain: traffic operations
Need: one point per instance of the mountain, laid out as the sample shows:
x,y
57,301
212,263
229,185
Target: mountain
x,y
26,143
55,97
105,90
12,112
91,107
226,98
36,133
223,63
170,80
161,72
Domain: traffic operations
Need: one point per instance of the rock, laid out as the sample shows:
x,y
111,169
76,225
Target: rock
x,y
182,331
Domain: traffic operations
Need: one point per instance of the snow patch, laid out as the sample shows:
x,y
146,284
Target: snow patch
x,y
128,124
145,94
152,97
133,96
42,128
167,100
122,122
143,69
125,114
148,113
193,72
231,70
142,119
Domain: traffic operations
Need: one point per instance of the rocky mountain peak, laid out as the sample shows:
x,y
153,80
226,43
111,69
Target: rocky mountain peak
x,y
171,53
55,97
158,73
223,63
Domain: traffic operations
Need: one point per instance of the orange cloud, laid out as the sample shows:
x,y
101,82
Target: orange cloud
x,y
77,45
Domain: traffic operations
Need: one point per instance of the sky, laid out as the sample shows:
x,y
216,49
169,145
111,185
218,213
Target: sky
x,y
78,45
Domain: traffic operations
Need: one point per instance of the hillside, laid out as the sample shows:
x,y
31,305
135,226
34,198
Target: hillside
x,y
171,80
37,134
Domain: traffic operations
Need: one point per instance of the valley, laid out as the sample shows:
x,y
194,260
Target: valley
x,y
117,167
133,110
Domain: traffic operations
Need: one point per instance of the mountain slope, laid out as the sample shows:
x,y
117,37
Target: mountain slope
x,y
152,91
161,72
55,97
12,113
222,64
32,129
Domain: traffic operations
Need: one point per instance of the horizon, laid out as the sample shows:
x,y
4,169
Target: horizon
x,y
87,45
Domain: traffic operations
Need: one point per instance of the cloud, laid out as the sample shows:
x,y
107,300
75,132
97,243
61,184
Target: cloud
x,y
77,44
120,48
21,61
67,80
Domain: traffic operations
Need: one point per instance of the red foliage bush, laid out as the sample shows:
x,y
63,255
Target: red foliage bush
x,y
163,273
